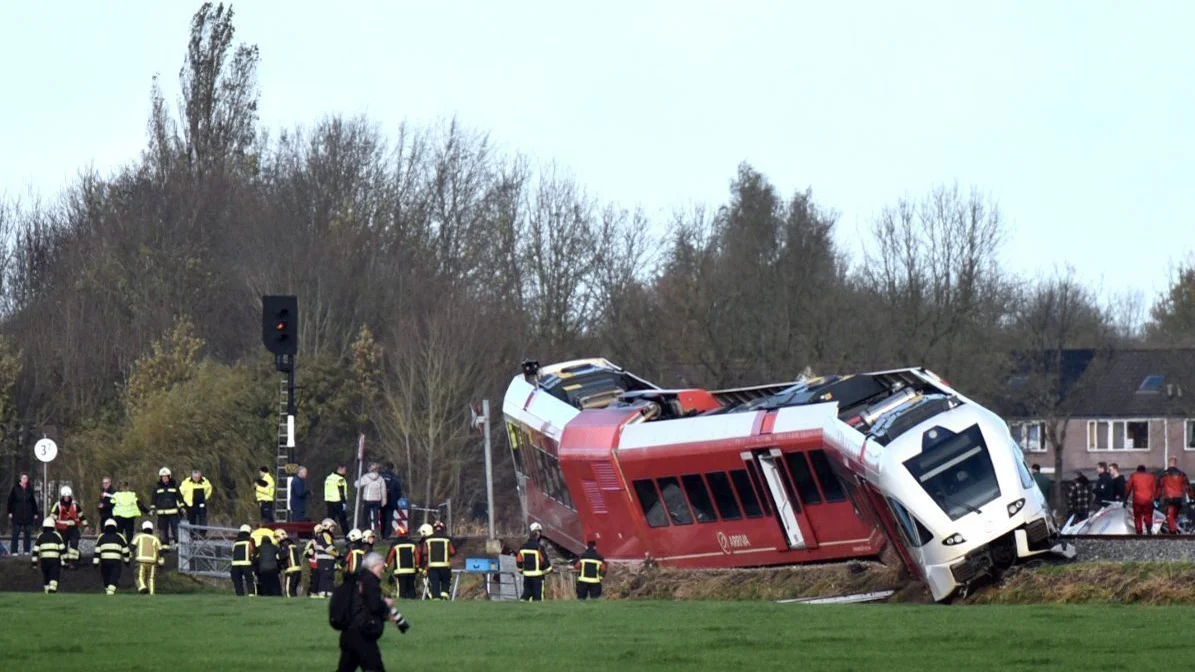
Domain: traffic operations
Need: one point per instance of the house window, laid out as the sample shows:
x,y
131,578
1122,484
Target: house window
x,y
1117,435
1151,384
1030,435
1190,445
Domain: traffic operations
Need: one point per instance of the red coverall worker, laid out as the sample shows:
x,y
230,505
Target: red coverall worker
x,y
1143,488
1174,487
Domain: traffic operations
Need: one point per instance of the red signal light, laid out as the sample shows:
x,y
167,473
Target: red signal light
x,y
281,326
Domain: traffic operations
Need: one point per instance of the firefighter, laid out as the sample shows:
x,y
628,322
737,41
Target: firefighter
x,y
437,555
110,550
126,508
264,493
68,519
591,568
325,557
292,566
1142,490
403,562
368,539
312,563
196,492
147,551
1174,487
336,493
49,553
243,550
533,564
352,552
167,503
269,568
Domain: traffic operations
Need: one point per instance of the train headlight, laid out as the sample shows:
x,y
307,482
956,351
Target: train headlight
x,y
954,539
1016,506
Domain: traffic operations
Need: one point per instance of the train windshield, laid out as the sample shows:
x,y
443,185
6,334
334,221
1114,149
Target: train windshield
x,y
957,473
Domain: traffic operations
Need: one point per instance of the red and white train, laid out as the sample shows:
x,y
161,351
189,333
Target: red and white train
x,y
825,469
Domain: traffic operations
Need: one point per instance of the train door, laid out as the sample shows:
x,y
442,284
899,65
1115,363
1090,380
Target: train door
x,y
786,509
828,510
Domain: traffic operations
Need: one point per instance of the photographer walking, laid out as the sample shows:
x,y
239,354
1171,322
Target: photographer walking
x,y
369,611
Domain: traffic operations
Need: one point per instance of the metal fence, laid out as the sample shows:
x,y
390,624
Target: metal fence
x,y
205,551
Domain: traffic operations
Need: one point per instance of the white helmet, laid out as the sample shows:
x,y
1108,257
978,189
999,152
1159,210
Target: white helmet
x,y
110,523
319,527
354,534
328,524
48,522
163,472
425,530
66,491
368,537
147,526
536,527
246,528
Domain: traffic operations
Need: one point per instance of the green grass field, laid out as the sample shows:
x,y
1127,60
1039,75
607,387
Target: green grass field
x,y
203,632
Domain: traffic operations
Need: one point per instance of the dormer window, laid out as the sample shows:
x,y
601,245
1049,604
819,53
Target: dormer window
x,y
1151,384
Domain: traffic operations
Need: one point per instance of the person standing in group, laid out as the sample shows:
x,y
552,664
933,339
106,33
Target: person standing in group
x,y
1175,487
69,517
352,551
298,494
292,566
196,492
49,553
126,508
369,612
269,568
1102,490
1142,490
312,563
241,570
533,563
168,501
393,494
325,558
23,512
404,562
147,551
437,555
591,570
373,494
111,549
259,537
1044,483
103,508
263,491
336,496
1119,485
1079,500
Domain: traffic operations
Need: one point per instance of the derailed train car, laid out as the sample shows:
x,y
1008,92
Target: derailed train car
x,y
813,471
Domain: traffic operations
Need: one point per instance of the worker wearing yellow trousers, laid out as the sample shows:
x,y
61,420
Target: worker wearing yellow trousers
x,y
147,553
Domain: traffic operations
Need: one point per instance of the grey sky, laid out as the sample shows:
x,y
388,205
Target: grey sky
x,y
1076,116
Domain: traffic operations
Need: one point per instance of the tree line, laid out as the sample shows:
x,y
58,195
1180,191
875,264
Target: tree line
x,y
429,263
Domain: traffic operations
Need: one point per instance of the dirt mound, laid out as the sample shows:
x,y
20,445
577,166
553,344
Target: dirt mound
x,y
1095,582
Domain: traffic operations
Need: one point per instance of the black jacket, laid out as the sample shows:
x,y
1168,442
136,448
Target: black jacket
x,y
104,508
22,505
167,497
1103,488
1119,488
369,609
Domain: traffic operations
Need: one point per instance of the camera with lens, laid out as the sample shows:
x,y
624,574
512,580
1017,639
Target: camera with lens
x,y
399,620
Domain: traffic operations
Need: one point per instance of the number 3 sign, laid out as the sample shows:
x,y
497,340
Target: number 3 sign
x,y
45,450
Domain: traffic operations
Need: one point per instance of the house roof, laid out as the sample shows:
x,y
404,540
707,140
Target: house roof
x,y
1121,383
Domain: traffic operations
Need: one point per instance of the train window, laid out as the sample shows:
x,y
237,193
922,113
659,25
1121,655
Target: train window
x,y
831,486
914,532
674,499
765,502
799,467
742,485
649,499
728,506
956,471
699,497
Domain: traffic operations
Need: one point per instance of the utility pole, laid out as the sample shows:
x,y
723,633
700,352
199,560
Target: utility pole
x,y
489,466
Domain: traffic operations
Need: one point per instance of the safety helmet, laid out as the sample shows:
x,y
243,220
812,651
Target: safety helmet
x,y
48,522
438,525
354,534
400,530
147,526
66,491
246,528
425,530
109,523
319,527
368,537
536,527
280,534
163,472
328,524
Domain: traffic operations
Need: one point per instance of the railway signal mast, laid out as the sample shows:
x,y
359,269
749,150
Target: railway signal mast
x,y
280,335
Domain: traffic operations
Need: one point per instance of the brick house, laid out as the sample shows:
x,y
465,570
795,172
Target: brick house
x,y
1128,406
